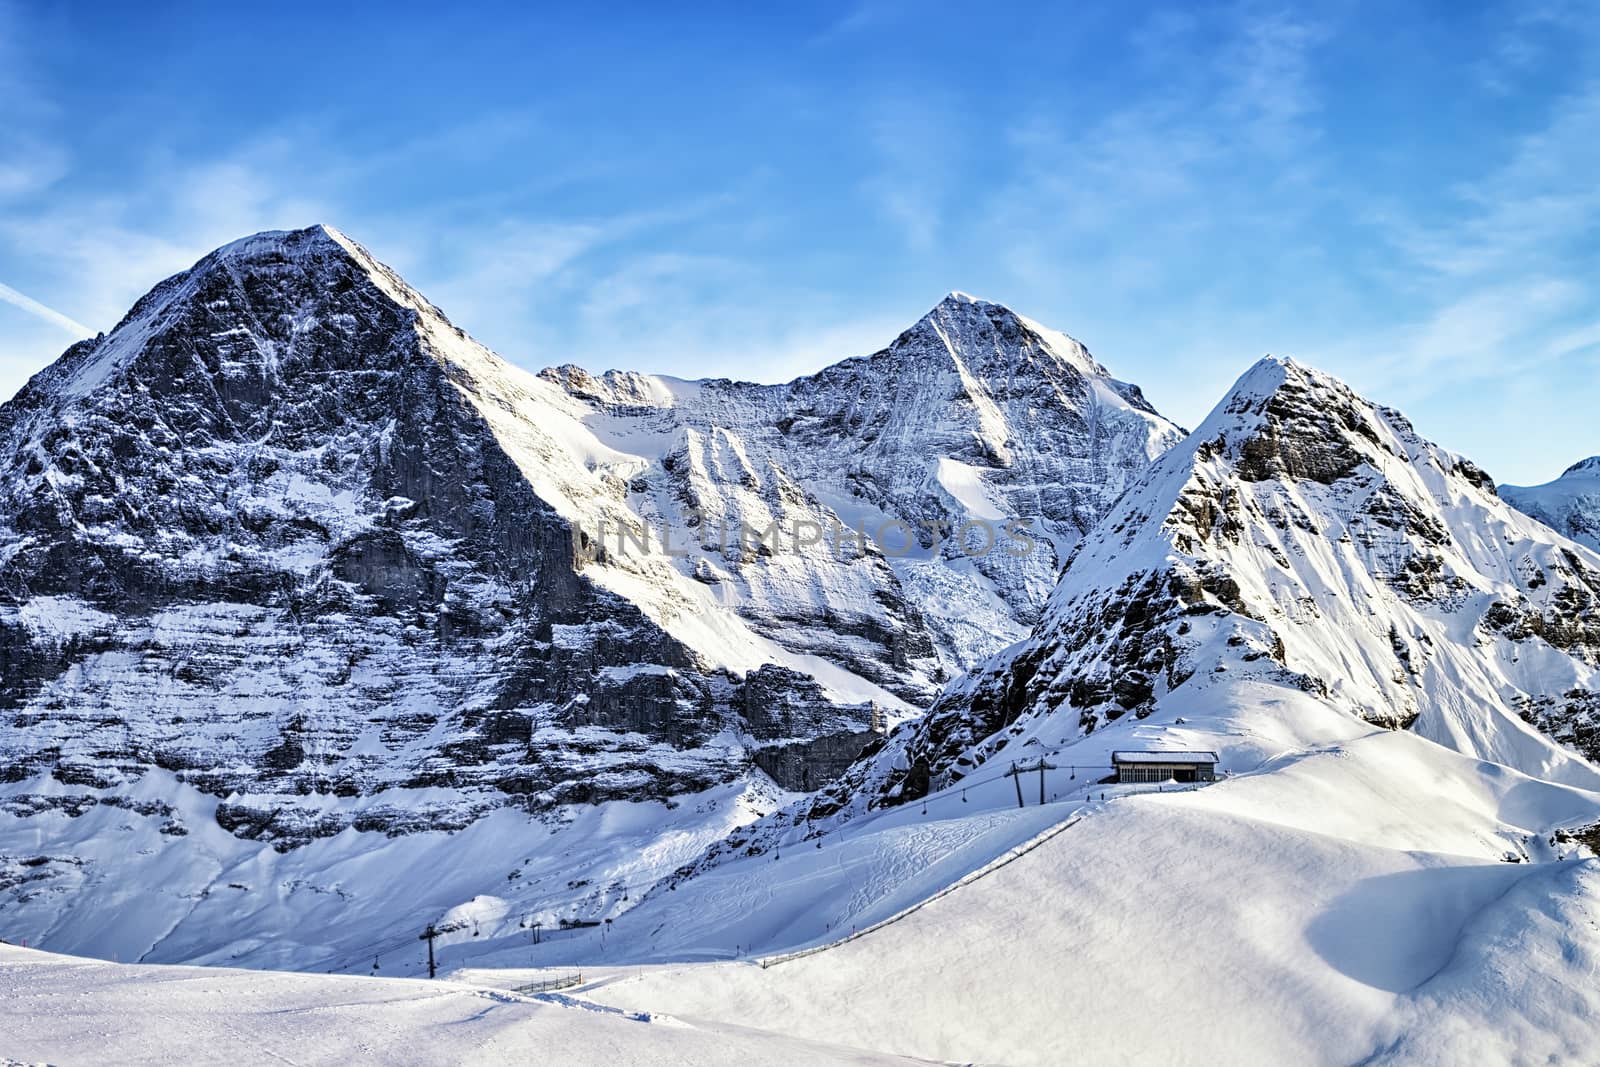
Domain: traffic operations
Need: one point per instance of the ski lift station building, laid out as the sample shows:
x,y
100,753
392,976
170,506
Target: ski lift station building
x,y
1165,766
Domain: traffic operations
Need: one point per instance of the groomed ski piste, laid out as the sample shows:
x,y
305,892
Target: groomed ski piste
x,y
1344,894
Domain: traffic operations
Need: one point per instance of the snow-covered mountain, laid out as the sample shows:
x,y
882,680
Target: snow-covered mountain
x,y
1303,549
1570,504
1399,673
973,420
1397,670
292,570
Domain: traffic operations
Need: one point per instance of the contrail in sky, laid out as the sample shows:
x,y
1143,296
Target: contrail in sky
x,y
33,307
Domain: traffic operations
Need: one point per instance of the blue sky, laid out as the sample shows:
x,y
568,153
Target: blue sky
x,y
1406,195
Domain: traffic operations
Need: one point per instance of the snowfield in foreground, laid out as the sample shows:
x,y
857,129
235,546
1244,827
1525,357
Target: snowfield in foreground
x,y
1351,902
61,1009
1312,912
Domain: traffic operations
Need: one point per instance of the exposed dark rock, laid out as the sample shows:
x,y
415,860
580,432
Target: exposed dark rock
x,y
803,766
267,517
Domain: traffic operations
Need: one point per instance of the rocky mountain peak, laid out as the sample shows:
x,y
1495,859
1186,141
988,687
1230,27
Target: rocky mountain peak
x,y
956,298
315,250
991,340
289,548
1305,548
311,240
238,312
1286,420
1584,466
318,250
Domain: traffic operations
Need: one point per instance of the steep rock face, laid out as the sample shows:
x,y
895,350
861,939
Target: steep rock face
x,y
967,458
302,591
1570,504
1303,549
260,535
290,535
264,535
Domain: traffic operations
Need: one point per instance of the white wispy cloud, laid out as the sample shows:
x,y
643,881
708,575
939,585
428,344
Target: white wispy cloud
x,y
1267,93
38,310
1217,136
1513,260
1138,225
1525,33
862,18
1533,205
29,163
916,147
1496,285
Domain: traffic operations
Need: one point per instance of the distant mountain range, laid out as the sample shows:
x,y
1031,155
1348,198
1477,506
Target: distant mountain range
x,y
320,623
1570,504
289,545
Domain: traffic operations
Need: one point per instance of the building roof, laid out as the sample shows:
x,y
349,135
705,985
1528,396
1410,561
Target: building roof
x,y
1163,757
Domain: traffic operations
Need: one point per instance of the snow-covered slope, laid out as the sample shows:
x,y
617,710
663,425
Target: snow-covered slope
x,y
1303,547
291,570
57,1009
971,454
1316,913
1398,672
1345,904
1570,504
1351,900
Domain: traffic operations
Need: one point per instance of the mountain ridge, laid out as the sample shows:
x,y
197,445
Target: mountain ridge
x,y
294,572
1302,549
1570,503
937,428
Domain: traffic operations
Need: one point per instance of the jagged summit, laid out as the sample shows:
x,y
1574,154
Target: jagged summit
x,y
989,350
321,251
1266,376
317,240
956,296
243,305
284,242
314,248
976,331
